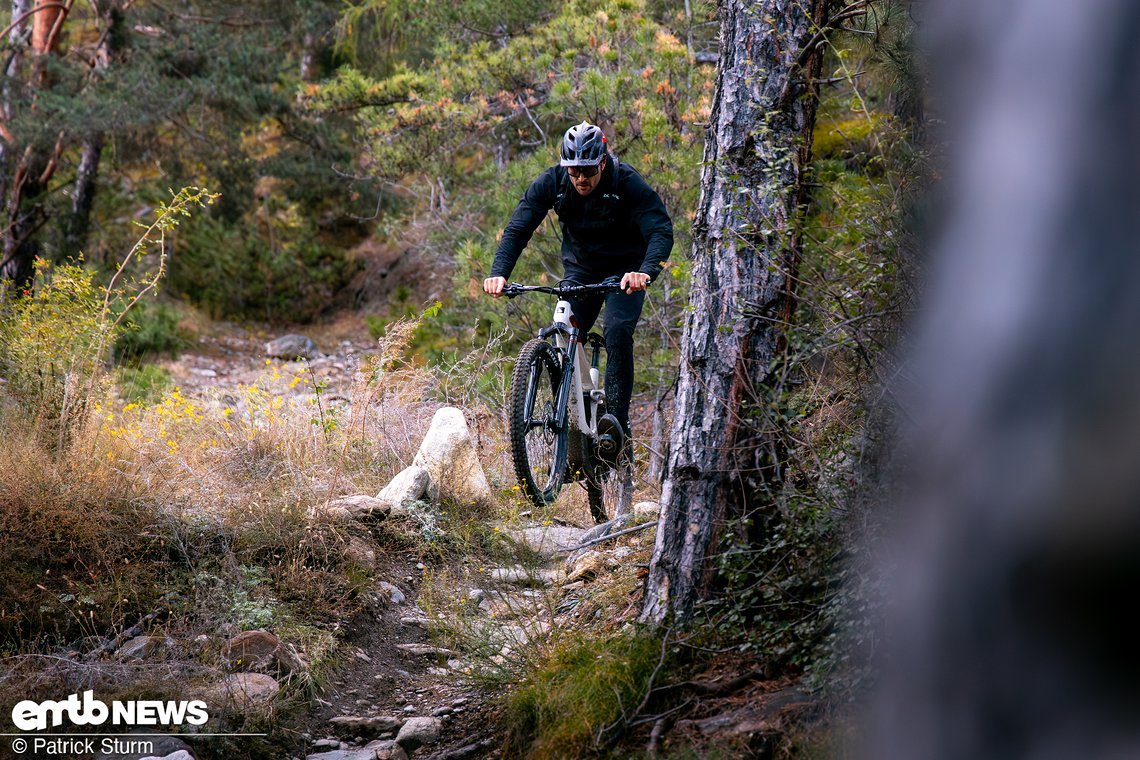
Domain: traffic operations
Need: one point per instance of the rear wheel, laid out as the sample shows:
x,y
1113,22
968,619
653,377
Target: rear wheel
x,y
538,447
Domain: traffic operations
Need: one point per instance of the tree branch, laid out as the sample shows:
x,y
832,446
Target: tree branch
x,y
24,17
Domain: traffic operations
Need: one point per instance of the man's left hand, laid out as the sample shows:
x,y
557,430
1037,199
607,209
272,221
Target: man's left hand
x,y
634,281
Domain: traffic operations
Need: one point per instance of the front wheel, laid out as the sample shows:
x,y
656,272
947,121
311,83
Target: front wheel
x,y
538,446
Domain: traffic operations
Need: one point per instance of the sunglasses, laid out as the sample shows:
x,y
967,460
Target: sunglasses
x,y
583,171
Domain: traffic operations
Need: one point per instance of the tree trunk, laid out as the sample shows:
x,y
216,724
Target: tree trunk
x,y
1007,638
27,181
92,151
18,40
745,252
84,197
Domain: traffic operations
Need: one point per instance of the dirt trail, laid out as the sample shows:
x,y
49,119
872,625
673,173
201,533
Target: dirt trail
x,y
391,667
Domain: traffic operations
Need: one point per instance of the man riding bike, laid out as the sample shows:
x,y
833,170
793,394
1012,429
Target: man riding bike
x,y
613,224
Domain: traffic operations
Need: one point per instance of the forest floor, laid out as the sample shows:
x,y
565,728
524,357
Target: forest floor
x,y
393,659
434,633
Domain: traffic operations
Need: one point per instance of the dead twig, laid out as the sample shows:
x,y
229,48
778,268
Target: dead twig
x,y
129,633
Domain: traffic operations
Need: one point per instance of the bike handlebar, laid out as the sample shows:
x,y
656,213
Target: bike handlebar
x,y
608,285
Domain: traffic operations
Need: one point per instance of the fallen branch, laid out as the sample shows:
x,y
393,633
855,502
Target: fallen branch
x,y
129,633
714,688
608,536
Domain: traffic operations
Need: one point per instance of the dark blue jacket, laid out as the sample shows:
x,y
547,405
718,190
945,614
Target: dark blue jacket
x,y
622,226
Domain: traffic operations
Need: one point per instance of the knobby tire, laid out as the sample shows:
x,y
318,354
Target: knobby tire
x,y
538,451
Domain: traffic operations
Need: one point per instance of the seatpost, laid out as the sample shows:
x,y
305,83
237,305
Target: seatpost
x,y
595,357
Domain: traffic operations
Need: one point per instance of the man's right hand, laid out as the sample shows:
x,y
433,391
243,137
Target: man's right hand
x,y
494,285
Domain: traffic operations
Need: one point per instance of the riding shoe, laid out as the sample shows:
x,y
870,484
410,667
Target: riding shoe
x,y
611,437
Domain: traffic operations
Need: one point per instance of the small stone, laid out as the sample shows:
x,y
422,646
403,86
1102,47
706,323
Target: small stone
x,y
643,511
143,647
345,754
424,650
260,650
418,732
290,347
409,709
179,755
369,725
519,575
585,566
247,690
394,594
359,507
360,553
439,712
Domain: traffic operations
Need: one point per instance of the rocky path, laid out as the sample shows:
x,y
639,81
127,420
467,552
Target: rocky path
x,y
410,683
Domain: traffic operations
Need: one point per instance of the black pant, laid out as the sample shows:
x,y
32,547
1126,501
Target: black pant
x,y
622,313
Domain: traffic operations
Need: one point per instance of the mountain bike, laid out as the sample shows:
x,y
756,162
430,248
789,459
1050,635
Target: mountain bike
x,y
556,399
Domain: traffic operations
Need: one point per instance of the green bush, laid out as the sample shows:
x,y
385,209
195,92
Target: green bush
x,y
234,271
562,708
151,329
53,340
145,383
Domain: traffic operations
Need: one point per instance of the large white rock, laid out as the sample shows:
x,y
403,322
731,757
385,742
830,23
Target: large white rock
x,y
448,455
409,485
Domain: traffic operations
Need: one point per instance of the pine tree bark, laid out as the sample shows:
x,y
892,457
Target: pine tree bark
x,y
83,199
18,40
1021,545
745,254
34,165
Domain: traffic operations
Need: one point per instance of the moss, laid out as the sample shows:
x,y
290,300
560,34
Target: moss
x,y
837,136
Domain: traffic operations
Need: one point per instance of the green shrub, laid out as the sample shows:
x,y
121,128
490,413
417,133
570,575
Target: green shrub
x,y
150,329
53,339
233,271
145,383
585,685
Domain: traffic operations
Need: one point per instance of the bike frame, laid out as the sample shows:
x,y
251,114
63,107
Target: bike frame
x,y
579,396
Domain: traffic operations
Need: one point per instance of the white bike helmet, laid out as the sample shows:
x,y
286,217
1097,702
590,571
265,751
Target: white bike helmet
x,y
583,145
